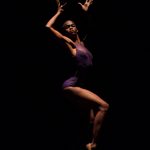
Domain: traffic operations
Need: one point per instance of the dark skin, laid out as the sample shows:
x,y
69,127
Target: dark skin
x,y
70,39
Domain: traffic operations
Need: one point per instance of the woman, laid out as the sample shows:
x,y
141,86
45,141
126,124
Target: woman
x,y
83,59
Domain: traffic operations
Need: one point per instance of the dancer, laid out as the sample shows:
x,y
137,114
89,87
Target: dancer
x,y
83,59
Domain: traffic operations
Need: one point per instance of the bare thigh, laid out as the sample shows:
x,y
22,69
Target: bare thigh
x,y
84,96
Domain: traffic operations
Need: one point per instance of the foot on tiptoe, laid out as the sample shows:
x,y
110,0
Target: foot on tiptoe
x,y
90,146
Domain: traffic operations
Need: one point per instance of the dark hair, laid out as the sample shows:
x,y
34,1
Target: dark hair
x,y
66,21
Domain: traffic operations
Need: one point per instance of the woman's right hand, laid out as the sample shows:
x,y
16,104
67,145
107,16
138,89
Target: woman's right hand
x,y
60,7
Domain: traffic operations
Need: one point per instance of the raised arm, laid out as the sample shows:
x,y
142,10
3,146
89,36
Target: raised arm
x,y
51,22
86,16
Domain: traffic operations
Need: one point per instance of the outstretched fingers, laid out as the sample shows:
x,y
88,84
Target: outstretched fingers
x,y
59,4
89,2
86,4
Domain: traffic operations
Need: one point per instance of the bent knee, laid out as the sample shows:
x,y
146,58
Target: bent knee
x,y
68,88
72,88
104,107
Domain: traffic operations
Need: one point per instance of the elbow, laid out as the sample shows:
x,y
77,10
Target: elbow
x,y
47,26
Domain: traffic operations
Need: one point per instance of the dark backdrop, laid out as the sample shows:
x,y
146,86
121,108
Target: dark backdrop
x,y
37,114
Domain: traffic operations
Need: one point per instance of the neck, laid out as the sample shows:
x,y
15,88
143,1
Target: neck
x,y
78,39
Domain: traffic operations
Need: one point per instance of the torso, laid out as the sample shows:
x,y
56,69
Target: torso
x,y
83,62
83,55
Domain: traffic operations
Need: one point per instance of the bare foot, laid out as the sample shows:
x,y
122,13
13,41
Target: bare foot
x,y
90,146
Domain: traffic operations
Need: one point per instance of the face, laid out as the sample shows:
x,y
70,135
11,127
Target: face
x,y
70,27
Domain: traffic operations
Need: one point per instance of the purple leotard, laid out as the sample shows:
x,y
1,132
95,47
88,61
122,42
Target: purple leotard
x,y
83,60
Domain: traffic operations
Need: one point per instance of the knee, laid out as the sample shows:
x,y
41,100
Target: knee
x,y
104,107
68,88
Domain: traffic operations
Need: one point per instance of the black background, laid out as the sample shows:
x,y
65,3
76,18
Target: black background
x,y
36,114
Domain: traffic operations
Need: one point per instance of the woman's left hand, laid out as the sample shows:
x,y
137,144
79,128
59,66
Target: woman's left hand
x,y
86,5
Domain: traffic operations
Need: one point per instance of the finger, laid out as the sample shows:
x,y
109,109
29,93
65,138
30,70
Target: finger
x,y
58,2
91,1
64,4
80,4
